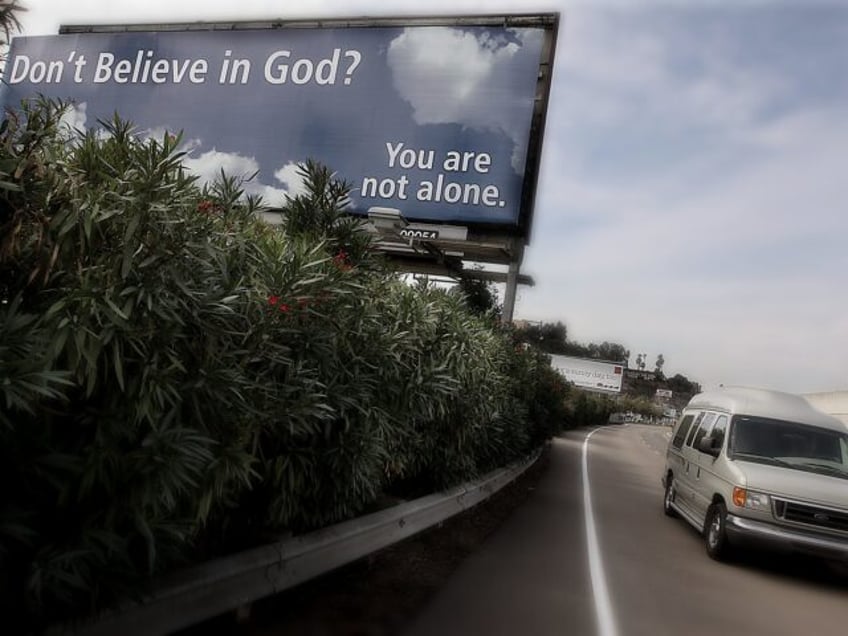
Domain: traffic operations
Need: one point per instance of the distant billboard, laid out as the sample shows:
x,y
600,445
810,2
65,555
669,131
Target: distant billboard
x,y
595,375
441,118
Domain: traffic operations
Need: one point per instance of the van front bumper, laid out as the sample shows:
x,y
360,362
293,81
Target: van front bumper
x,y
742,530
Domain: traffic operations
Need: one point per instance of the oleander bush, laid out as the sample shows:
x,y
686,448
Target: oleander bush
x,y
179,379
588,409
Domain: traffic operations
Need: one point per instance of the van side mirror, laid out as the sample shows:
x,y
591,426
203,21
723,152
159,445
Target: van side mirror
x,y
710,446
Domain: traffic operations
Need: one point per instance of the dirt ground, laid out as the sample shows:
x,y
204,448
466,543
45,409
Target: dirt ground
x,y
378,595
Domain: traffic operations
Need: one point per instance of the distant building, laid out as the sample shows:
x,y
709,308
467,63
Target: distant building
x,y
639,374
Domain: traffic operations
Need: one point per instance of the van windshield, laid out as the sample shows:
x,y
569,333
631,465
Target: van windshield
x,y
789,444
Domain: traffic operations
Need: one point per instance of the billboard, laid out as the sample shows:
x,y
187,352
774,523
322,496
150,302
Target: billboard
x,y
594,375
441,118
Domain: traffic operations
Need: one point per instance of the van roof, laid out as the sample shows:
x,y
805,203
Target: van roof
x,y
764,403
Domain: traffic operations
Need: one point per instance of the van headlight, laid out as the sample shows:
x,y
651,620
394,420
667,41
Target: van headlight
x,y
751,499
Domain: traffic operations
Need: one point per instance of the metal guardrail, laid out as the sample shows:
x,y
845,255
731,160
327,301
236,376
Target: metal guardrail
x,y
215,587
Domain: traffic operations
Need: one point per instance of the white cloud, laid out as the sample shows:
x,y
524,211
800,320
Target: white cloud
x,y
74,118
722,256
617,70
208,166
435,55
730,277
271,196
445,74
289,176
158,133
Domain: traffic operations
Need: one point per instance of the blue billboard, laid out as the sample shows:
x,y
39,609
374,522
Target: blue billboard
x,y
441,121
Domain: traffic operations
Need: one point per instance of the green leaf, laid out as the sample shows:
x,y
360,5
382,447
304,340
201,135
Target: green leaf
x,y
116,309
129,245
119,366
88,218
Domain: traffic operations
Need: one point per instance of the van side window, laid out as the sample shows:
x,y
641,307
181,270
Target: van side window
x,y
694,428
704,428
680,435
720,430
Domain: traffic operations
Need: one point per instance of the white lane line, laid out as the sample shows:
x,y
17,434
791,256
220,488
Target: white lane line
x,y
603,605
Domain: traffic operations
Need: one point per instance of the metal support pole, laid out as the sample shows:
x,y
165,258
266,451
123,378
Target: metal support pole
x,y
512,282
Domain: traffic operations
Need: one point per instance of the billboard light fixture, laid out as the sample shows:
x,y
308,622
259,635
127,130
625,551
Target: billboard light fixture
x,y
387,220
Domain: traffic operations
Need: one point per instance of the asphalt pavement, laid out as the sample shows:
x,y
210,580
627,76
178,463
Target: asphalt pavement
x,y
649,574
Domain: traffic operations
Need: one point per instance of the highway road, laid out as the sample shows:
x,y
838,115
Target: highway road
x,y
624,569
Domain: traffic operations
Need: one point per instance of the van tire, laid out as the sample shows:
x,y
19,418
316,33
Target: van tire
x,y
668,498
715,532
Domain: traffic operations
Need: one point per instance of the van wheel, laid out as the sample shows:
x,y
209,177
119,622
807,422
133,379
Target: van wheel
x,y
715,532
669,497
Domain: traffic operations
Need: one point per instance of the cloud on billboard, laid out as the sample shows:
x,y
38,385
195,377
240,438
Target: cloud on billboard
x,y
425,71
74,117
209,165
289,176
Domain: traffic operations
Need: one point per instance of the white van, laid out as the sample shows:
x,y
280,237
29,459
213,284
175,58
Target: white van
x,y
763,467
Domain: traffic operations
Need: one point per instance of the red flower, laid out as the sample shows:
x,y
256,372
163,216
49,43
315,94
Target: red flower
x,y
205,206
273,300
342,261
284,308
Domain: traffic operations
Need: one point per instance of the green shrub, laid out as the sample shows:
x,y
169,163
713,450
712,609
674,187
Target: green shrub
x,y
179,379
589,409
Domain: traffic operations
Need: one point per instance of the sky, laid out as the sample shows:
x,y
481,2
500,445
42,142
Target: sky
x,y
692,192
